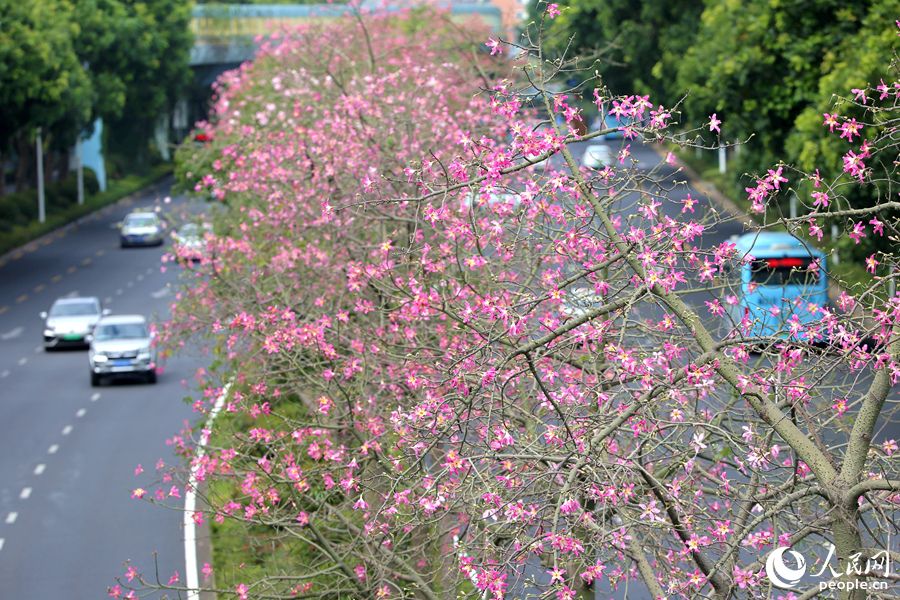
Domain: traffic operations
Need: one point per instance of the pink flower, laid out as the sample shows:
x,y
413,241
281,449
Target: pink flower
x,y
871,263
241,590
553,10
714,123
207,570
494,45
138,493
138,470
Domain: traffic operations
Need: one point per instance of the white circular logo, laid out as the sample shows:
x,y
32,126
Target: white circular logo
x,y
781,575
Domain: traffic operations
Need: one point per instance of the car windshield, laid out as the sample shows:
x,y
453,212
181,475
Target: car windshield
x,y
189,230
121,331
75,309
141,221
783,271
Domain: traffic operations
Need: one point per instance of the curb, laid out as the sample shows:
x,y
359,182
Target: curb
x,y
195,545
46,238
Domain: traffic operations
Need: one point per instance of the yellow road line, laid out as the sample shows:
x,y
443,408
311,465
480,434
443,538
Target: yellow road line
x,y
21,298
87,261
39,288
101,252
71,269
56,278
3,309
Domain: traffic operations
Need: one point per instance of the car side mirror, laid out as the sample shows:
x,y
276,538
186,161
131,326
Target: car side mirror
x,y
106,312
43,314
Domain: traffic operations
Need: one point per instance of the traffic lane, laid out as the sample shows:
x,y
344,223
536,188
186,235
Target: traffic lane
x,y
41,396
28,274
79,523
107,277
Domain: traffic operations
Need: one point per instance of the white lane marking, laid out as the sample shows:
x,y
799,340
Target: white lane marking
x,y
22,361
5,373
192,576
12,333
160,293
139,277
95,396
150,270
1,543
107,300
39,470
11,518
25,493
80,413
130,284
38,349
52,449
119,292
67,430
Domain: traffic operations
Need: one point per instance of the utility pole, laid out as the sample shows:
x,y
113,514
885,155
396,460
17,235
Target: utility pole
x,y
79,170
39,152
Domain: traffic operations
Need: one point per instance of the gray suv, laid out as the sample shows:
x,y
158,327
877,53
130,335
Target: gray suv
x,y
122,345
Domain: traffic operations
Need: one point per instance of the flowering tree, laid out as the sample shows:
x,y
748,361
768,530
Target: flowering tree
x,y
462,364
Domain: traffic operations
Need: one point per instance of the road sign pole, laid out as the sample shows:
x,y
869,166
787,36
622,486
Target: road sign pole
x,y
39,152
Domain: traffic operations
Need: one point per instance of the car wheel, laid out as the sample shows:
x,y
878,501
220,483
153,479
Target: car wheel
x,y
151,377
95,379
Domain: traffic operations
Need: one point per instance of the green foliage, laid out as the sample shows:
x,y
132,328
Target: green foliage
x,y
648,40
64,63
42,82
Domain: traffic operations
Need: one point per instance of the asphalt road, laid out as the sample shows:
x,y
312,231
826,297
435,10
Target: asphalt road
x,y
68,451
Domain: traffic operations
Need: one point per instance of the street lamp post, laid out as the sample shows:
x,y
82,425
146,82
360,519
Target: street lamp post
x,y
39,152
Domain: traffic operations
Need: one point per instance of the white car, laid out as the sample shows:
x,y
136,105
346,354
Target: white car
x,y
70,321
142,228
492,199
122,345
190,241
597,156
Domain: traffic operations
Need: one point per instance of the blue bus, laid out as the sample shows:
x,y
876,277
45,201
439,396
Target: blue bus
x,y
777,285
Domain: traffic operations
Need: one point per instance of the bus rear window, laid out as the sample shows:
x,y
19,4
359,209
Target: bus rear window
x,y
783,271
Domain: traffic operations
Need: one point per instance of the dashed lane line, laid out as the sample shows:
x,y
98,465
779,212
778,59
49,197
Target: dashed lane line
x,y
22,361
2,541
95,396
71,269
4,374
39,288
21,298
81,412
3,309
25,493
12,333
39,470
53,449
67,430
11,518
56,278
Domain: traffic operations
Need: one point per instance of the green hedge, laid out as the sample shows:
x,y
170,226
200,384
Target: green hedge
x,y
20,208
18,211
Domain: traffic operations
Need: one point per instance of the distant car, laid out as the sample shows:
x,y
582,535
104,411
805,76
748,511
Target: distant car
x,y
581,301
492,199
122,345
597,156
70,321
143,228
611,121
190,244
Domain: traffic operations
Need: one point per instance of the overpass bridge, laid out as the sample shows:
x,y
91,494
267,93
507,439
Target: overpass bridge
x,y
225,34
